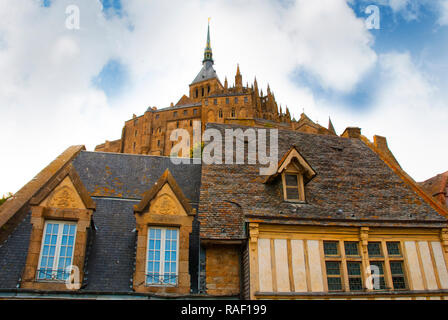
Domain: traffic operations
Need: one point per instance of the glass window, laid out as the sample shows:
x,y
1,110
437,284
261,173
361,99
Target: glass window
x,y
215,101
185,112
233,112
333,275
195,111
374,249
246,99
220,113
393,248
162,259
396,269
175,114
227,100
206,102
292,187
236,99
56,254
331,248
157,116
351,248
354,276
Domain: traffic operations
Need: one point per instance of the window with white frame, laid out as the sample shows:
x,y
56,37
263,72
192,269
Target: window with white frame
x,y
56,254
162,256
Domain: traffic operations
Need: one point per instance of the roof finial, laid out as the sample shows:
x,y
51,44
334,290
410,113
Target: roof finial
x,y
208,55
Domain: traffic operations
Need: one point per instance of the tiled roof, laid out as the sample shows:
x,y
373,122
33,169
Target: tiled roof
x,y
353,187
130,176
436,185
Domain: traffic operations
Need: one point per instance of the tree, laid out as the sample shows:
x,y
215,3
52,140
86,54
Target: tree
x,y
5,197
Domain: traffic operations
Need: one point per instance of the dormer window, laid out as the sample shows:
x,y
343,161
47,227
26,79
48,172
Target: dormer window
x,y
292,187
295,173
293,184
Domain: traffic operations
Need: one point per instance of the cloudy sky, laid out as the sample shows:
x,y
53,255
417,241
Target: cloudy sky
x,y
61,86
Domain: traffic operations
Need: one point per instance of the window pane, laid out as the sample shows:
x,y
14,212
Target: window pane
x,y
374,249
354,268
334,284
396,267
51,267
66,251
333,268
331,248
291,180
154,236
393,248
355,284
399,283
292,193
351,248
354,273
162,256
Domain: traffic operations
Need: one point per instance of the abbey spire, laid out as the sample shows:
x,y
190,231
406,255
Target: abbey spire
x,y
208,54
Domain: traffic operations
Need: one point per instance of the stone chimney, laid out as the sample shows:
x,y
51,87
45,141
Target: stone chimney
x,y
352,132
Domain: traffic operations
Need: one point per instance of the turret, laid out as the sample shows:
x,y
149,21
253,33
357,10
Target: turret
x,y
238,79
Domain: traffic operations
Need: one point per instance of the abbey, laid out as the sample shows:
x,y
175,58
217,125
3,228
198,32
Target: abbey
x,y
209,100
336,218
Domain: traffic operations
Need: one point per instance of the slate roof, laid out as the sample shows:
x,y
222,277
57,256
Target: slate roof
x,y
110,262
116,183
207,72
13,253
353,187
129,176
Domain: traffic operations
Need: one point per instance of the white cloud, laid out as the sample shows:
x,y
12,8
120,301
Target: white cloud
x,y
410,110
49,102
443,9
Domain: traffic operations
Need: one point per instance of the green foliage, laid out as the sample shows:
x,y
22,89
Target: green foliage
x,y
5,197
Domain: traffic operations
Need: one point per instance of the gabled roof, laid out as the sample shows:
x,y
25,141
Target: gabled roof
x,y
68,171
165,178
183,101
353,187
288,158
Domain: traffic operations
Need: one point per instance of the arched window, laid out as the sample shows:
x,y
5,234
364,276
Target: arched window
x,y
220,113
197,93
233,112
208,89
202,92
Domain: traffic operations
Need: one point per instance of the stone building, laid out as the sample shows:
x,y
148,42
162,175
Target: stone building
x,y
336,218
209,100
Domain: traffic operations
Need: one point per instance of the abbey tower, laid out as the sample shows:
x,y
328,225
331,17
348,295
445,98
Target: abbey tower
x,y
209,101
